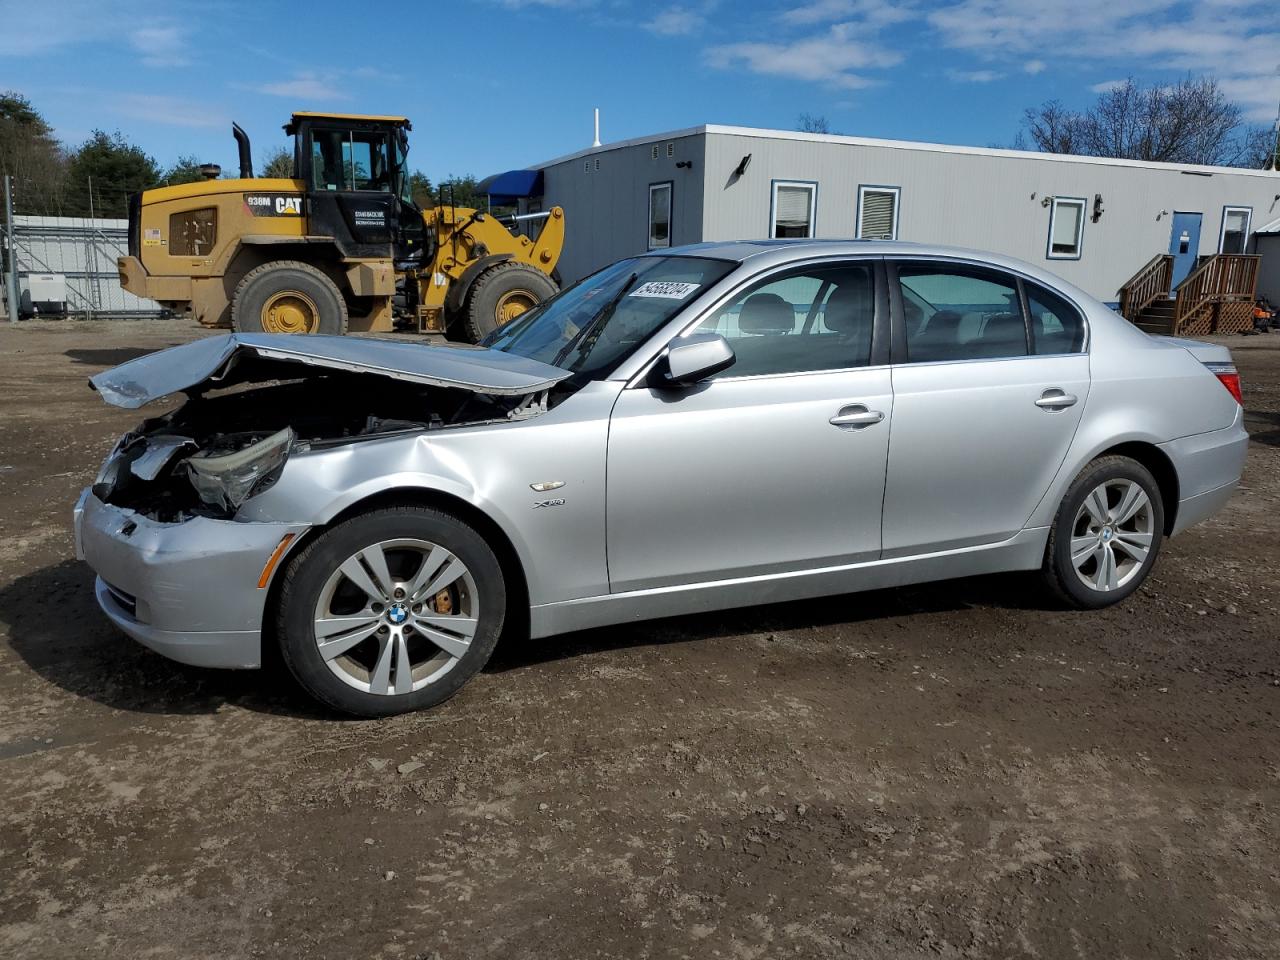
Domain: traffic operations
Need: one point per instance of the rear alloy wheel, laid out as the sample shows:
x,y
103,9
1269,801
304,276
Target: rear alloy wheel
x,y
1106,535
391,611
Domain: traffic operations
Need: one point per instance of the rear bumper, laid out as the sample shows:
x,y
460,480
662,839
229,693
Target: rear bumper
x,y
135,279
1209,466
186,590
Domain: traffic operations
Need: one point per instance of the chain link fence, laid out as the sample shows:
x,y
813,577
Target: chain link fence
x,y
67,268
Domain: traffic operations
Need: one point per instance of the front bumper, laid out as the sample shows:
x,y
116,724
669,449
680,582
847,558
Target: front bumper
x,y
186,590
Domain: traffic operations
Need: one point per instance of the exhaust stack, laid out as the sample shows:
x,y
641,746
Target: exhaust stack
x,y
246,158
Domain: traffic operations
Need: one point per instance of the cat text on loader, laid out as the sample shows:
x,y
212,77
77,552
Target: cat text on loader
x,y
340,247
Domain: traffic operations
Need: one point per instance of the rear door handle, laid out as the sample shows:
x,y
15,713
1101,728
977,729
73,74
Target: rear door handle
x,y
1055,399
856,415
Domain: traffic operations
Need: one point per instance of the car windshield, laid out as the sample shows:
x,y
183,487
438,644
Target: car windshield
x,y
594,325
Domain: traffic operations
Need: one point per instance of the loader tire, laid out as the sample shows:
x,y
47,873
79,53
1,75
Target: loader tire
x,y
501,294
287,296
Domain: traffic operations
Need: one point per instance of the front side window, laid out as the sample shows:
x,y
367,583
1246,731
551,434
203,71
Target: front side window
x,y
598,322
960,313
1235,229
793,209
659,215
1066,228
350,160
878,213
818,318
1056,326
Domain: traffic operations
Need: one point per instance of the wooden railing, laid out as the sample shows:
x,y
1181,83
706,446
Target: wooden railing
x,y
1219,279
1146,286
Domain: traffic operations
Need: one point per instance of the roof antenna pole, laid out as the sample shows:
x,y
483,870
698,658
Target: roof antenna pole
x,y
596,142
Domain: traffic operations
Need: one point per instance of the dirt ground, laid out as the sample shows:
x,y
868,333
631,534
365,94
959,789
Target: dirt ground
x,y
948,770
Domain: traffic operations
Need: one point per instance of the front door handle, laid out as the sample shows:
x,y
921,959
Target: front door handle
x,y
856,415
1055,399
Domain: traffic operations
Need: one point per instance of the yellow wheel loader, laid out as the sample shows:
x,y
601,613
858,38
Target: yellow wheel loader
x,y
340,247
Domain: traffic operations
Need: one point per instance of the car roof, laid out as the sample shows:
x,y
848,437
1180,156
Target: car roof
x,y
772,253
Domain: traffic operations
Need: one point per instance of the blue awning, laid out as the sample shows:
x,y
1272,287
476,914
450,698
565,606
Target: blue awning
x,y
505,188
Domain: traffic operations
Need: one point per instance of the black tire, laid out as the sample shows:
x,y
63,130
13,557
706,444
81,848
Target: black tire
x,y
317,294
1061,574
496,286
309,572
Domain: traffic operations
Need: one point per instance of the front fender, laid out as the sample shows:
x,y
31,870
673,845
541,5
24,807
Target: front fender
x,y
558,537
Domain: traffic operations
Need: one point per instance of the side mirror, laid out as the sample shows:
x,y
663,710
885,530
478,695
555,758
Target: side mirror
x,y
694,358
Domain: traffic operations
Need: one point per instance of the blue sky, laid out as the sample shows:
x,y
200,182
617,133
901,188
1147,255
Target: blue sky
x,y
496,84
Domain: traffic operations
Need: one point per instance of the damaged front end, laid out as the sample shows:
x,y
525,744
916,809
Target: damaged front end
x,y
253,401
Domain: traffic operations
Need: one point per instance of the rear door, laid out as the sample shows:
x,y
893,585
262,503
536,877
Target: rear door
x,y
777,464
989,380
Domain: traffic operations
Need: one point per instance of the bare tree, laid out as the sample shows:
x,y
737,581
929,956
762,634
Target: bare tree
x,y
1190,121
812,123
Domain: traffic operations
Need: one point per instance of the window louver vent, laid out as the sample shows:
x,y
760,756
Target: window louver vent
x,y
879,208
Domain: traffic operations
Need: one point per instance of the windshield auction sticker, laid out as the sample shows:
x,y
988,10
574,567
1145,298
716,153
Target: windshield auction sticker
x,y
664,289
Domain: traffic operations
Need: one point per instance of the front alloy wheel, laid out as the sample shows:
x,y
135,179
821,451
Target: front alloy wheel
x,y
392,610
396,616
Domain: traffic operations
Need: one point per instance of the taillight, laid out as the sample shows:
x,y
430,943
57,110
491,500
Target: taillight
x,y
1229,377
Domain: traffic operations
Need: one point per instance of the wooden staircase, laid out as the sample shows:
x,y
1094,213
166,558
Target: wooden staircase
x,y
1216,297
1159,316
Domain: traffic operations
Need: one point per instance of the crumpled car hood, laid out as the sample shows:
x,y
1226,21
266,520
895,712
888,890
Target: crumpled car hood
x,y
212,361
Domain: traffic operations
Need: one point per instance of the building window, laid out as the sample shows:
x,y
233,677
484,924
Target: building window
x,y
1066,228
792,210
659,215
878,213
1235,229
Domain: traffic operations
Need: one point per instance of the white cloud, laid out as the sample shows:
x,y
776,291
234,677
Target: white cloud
x,y
836,57
975,76
675,21
1235,41
1106,86
161,46
1033,67
304,86
876,12
170,111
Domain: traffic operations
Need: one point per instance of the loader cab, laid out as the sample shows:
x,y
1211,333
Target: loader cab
x,y
357,182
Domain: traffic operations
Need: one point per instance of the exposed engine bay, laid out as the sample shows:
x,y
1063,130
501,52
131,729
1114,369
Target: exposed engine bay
x,y
225,444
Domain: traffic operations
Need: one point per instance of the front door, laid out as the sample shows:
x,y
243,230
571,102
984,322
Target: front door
x,y
777,464
1184,244
985,405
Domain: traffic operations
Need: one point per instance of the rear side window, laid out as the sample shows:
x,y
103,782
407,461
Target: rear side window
x,y
1056,326
960,313
818,318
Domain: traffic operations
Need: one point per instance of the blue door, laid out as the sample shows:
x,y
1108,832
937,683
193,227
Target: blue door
x,y
1184,244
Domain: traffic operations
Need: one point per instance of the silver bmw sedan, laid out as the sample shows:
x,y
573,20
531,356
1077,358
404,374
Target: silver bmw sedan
x,y
695,429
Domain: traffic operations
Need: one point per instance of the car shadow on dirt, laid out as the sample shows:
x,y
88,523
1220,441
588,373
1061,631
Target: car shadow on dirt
x,y
1263,427
112,356
55,626
1015,591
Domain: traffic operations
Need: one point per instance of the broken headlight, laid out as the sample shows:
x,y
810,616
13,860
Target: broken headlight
x,y
228,479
